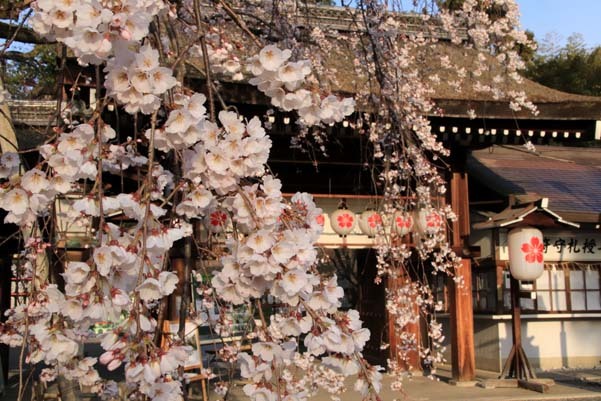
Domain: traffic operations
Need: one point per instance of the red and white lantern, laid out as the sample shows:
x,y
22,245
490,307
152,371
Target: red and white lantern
x,y
343,221
320,219
370,222
526,248
429,221
216,221
402,223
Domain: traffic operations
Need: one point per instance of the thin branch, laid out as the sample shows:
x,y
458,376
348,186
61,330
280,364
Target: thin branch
x,y
224,106
205,57
240,22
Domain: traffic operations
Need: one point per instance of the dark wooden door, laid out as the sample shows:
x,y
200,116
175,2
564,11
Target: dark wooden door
x,y
372,307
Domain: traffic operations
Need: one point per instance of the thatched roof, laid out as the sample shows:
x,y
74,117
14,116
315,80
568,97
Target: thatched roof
x,y
552,104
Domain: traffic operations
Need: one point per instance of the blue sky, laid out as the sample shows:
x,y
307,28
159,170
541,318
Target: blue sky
x,y
563,17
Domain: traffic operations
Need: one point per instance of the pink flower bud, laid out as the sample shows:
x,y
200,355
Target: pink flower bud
x,y
125,34
115,363
107,357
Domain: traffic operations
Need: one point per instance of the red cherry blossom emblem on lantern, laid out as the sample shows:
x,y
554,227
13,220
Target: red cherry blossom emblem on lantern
x,y
433,220
320,219
533,250
374,220
403,221
345,220
217,218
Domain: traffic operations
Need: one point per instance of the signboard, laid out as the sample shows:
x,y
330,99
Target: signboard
x,y
563,246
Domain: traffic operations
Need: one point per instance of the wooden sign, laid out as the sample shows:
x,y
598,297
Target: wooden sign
x,y
563,246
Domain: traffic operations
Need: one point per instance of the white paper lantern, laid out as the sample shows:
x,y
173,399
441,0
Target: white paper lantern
x,y
343,221
526,249
216,221
370,222
429,221
402,223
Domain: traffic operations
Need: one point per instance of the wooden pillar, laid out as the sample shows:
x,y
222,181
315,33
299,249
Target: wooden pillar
x,y
5,289
463,358
409,359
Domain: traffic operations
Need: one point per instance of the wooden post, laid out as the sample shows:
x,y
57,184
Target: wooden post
x,y
5,289
516,323
517,365
463,358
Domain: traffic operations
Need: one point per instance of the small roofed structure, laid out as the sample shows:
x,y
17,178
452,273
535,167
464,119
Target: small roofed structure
x,y
558,190
533,214
569,178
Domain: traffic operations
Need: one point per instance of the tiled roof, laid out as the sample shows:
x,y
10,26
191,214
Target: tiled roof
x,y
569,177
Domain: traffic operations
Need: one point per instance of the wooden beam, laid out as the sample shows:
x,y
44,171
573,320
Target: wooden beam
x,y
533,385
24,34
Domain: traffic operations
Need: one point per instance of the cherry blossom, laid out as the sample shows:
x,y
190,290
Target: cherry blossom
x,y
533,250
190,158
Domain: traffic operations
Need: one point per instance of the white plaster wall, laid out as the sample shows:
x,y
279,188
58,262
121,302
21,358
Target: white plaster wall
x,y
556,343
486,344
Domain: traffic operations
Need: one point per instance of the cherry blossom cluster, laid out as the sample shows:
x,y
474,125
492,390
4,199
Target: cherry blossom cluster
x,y
482,30
282,81
71,158
125,276
93,28
278,257
408,304
225,155
190,167
101,289
221,54
136,79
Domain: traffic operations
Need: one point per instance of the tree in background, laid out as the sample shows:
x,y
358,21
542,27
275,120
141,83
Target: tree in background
x,y
32,74
571,68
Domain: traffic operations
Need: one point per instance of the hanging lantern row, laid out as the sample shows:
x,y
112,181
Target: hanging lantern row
x,y
428,222
343,221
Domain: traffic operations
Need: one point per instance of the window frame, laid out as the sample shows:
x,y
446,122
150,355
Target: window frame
x,y
567,289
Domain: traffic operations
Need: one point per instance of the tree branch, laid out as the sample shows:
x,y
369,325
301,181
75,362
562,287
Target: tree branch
x,y
25,34
20,57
